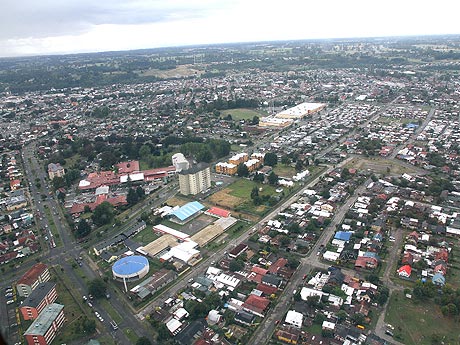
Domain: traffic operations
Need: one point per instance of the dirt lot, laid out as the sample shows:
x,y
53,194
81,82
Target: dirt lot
x,y
381,166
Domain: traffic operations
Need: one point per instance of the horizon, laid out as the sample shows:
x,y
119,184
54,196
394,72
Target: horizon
x,y
82,26
197,46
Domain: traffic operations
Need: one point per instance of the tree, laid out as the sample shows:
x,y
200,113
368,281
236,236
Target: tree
x,y
97,287
242,170
88,326
236,265
140,192
271,159
143,341
103,214
132,198
144,151
163,333
254,192
298,165
286,160
272,178
83,229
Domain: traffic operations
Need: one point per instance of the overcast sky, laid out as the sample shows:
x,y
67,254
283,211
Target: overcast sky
x,y
33,27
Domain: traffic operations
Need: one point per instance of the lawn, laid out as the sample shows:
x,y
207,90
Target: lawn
x,y
131,335
240,114
145,236
381,165
419,321
111,310
284,170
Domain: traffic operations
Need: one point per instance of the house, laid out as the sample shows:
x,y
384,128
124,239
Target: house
x,y
272,280
244,318
238,250
407,259
405,271
256,305
55,170
366,262
287,334
294,318
439,279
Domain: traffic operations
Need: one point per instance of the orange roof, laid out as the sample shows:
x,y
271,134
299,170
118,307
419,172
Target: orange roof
x,y
218,212
127,167
32,275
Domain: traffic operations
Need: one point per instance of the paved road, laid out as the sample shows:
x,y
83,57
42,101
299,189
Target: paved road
x,y
307,264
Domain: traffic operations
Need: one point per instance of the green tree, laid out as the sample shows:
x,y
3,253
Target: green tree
x,y
163,333
144,152
242,170
83,229
143,341
270,159
97,287
285,160
88,326
132,198
272,178
236,265
103,214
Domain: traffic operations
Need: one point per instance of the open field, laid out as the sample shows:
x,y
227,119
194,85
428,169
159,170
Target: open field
x,y
381,165
178,72
145,236
419,321
240,114
237,196
284,170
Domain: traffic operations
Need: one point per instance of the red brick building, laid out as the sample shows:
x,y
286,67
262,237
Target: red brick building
x,y
29,281
44,294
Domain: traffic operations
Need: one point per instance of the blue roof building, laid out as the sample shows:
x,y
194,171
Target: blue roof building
x,y
438,279
343,235
186,212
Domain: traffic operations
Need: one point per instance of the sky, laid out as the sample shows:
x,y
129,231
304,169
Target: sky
x,y
31,27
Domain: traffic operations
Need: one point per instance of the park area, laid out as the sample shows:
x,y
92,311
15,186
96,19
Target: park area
x,y
420,323
237,197
381,165
240,114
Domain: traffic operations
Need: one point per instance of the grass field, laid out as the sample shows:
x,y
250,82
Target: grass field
x,y
131,335
419,321
284,170
240,114
238,196
145,236
381,166
178,72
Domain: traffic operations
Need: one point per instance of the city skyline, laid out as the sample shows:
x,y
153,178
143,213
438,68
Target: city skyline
x,y
52,27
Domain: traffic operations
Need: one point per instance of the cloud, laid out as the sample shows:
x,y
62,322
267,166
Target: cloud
x,y
25,19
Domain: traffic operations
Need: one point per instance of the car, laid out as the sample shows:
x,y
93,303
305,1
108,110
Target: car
x,y
90,304
8,289
14,324
85,298
97,314
101,318
304,277
9,294
9,301
390,333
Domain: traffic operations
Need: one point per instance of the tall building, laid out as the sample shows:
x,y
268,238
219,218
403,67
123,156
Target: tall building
x,y
195,180
43,295
29,281
180,162
43,330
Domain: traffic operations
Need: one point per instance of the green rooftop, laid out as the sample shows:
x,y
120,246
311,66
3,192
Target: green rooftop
x,y
43,322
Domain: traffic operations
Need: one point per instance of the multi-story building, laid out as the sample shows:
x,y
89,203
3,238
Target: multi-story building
x,y
44,294
238,158
43,330
195,180
55,170
39,273
226,168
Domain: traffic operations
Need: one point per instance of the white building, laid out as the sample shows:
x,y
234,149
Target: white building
x,y
195,180
294,318
179,162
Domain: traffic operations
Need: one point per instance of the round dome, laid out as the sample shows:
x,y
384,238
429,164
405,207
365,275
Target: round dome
x,y
130,267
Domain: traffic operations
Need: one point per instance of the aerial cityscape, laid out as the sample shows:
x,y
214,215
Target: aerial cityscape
x,y
266,192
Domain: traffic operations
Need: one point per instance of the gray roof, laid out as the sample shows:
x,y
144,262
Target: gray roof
x,y
38,294
44,321
194,169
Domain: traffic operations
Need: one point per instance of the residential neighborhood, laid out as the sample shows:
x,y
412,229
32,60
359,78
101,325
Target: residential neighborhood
x,y
255,201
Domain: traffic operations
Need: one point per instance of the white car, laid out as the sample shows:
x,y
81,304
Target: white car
x,y
97,314
9,301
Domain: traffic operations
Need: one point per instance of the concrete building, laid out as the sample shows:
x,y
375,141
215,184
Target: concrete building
x,y
55,170
29,281
43,330
43,295
180,162
195,180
